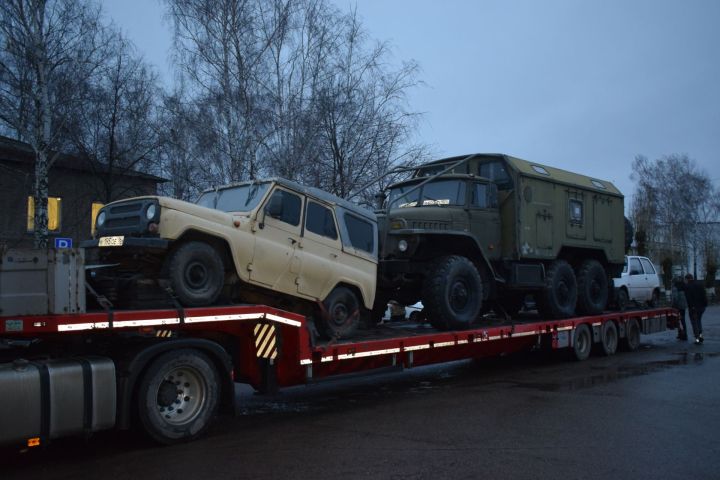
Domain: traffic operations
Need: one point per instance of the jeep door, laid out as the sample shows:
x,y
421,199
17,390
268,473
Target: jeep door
x,y
484,218
320,248
275,262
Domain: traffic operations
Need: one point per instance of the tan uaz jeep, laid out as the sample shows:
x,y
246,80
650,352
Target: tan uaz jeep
x,y
273,242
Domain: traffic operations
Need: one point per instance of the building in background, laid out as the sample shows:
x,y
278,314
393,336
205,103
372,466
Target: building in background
x,y
77,189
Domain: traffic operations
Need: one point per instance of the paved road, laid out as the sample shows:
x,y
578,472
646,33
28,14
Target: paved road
x,y
649,414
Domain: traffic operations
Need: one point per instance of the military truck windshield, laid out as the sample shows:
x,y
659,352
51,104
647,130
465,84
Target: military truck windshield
x,y
437,193
241,198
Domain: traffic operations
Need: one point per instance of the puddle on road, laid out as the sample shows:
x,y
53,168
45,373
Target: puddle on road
x,y
610,374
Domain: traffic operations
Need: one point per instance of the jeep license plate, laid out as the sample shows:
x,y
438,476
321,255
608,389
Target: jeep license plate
x,y
111,241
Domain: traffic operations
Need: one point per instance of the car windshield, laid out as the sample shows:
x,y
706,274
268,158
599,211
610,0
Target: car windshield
x,y
240,198
438,193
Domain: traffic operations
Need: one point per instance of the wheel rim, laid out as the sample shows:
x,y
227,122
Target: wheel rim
x,y
181,395
563,292
196,275
340,314
459,295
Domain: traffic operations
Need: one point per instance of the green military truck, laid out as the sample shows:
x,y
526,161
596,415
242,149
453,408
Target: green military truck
x,y
466,234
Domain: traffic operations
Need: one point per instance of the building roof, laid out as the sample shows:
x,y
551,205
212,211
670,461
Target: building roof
x,y
20,152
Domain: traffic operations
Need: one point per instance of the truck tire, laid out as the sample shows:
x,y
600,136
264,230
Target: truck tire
x,y
631,342
453,293
178,396
592,288
582,342
341,316
558,298
609,338
197,274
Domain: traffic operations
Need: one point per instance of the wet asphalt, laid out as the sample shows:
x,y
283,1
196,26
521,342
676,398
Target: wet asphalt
x,y
654,413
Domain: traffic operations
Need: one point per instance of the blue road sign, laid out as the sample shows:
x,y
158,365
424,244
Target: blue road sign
x,y
63,243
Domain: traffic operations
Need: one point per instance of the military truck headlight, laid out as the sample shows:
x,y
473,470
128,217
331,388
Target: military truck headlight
x,y
100,221
402,245
150,212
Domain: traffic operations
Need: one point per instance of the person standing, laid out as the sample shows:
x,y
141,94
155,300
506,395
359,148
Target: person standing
x,y
680,303
696,303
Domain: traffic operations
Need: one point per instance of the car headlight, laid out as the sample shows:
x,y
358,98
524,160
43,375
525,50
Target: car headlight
x,y
100,221
150,212
402,245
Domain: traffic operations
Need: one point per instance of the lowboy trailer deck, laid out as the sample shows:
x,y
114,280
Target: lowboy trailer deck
x,y
171,371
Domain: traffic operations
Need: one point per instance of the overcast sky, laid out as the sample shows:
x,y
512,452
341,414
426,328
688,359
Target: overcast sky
x,y
580,85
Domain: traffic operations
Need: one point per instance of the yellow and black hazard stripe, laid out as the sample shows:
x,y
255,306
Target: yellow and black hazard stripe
x,y
266,341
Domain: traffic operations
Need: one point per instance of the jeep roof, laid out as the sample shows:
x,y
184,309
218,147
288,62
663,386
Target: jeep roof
x,y
310,191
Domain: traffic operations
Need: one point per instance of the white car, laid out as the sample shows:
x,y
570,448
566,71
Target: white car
x,y
639,282
397,312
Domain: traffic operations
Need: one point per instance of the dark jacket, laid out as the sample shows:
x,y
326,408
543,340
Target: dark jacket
x,y
695,295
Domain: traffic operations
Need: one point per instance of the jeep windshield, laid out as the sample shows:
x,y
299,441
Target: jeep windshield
x,y
239,198
436,193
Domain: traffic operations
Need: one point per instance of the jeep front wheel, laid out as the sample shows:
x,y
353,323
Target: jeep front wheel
x,y
196,274
453,293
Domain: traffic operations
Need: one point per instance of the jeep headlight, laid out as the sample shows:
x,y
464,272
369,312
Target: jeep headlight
x,y
100,221
150,211
402,245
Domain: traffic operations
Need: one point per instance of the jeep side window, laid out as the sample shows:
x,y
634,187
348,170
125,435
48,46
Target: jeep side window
x,y
647,266
361,233
285,206
635,268
320,221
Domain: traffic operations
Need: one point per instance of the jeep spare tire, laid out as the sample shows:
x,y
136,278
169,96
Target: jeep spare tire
x,y
196,274
452,293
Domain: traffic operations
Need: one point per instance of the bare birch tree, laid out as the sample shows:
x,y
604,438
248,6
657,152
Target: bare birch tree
x,y
50,48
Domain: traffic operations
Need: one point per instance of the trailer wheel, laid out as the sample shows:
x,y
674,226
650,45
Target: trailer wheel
x,y
609,338
341,317
631,342
559,296
592,288
453,293
178,396
582,342
197,274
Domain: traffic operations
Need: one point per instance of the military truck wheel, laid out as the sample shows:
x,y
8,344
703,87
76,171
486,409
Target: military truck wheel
x,y
453,293
592,288
196,274
559,296
341,317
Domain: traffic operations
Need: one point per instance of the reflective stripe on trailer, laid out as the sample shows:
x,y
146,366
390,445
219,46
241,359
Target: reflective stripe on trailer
x,y
75,327
266,341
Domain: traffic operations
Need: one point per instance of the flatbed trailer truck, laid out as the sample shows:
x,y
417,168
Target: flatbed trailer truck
x,y
171,371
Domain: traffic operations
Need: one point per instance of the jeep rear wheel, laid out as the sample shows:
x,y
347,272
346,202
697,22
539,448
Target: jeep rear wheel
x,y
453,293
341,316
558,298
592,288
196,274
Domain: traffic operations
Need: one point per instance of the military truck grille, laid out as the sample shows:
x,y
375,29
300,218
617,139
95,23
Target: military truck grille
x,y
429,225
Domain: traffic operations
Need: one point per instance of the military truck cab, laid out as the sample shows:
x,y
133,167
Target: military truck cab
x,y
465,234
